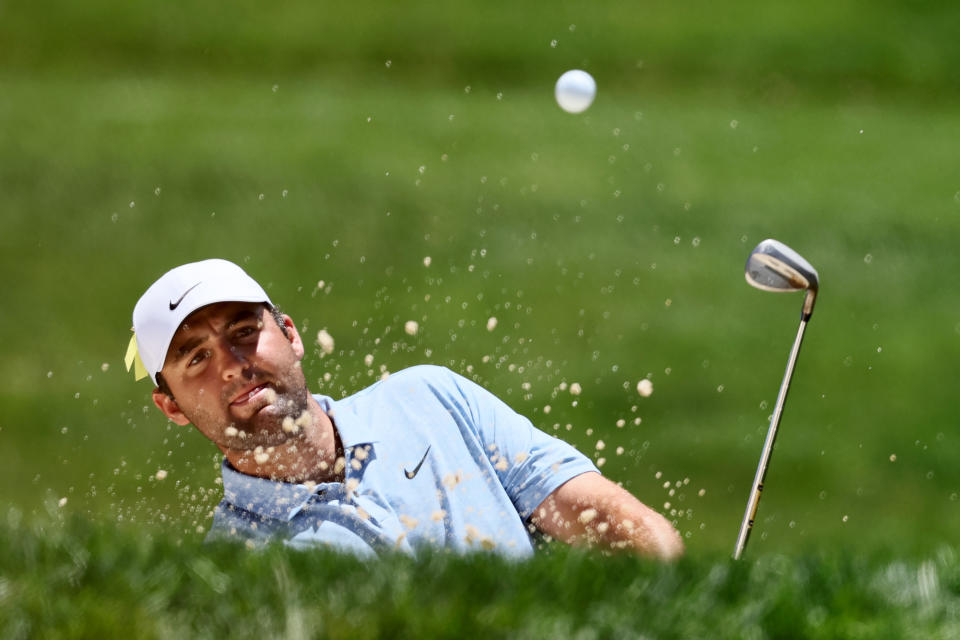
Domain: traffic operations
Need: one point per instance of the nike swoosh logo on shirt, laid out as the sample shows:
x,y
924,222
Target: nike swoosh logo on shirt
x,y
174,305
411,474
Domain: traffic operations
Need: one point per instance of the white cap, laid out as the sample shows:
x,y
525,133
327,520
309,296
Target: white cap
x,y
178,293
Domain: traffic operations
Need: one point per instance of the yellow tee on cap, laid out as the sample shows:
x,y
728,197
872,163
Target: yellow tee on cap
x,y
133,359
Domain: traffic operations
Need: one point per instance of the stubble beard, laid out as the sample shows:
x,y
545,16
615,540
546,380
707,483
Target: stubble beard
x,y
266,427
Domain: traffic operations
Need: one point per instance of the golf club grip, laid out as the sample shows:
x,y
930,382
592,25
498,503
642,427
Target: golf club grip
x,y
753,502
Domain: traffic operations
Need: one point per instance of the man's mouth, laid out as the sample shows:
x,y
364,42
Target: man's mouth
x,y
261,391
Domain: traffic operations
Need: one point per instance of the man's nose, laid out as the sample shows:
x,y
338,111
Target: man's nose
x,y
235,361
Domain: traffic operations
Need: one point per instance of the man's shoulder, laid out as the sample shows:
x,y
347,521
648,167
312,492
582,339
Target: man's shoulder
x,y
418,380
427,372
421,376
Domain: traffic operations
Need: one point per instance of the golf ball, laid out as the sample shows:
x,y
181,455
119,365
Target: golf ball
x,y
575,91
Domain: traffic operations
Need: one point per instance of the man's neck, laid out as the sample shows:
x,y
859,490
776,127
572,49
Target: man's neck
x,y
313,453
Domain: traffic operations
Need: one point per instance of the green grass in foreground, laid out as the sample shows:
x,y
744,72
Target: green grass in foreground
x,y
70,579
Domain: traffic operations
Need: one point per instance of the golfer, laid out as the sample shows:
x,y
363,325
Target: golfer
x,y
423,458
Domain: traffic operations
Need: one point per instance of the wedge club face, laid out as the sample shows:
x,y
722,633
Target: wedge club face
x,y
773,266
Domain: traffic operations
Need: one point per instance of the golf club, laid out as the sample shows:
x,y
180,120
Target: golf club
x,y
773,266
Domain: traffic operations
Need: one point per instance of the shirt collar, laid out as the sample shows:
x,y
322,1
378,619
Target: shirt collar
x,y
353,429
268,498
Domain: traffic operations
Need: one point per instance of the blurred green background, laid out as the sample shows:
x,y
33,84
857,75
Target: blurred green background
x,y
331,149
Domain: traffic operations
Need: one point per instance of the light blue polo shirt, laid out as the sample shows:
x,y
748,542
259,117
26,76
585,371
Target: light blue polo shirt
x,y
432,458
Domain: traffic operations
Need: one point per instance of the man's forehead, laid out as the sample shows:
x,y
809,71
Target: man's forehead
x,y
219,313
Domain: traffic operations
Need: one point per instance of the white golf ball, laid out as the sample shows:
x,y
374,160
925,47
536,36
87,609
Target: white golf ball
x,y
575,91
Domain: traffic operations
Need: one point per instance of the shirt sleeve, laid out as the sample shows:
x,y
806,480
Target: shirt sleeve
x,y
529,463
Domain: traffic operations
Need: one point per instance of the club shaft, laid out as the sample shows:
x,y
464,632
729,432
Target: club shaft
x,y
748,517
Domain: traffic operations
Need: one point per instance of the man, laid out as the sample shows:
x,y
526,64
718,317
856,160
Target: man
x,y
422,458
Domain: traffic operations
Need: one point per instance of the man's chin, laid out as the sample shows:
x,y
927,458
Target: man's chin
x,y
265,428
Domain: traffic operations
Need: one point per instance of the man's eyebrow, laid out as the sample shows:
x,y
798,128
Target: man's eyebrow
x,y
242,316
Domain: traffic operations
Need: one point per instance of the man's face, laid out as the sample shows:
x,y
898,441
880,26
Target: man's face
x,y
235,375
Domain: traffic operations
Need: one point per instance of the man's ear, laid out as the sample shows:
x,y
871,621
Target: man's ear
x,y
169,407
293,336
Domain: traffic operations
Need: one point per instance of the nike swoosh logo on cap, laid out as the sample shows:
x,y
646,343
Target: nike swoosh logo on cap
x,y
412,474
174,305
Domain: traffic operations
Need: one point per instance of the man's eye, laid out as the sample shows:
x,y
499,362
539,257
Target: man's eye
x,y
244,332
199,357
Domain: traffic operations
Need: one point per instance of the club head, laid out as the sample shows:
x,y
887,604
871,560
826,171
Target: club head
x,y
773,266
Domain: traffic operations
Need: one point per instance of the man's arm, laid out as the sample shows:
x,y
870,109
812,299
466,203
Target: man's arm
x,y
589,509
